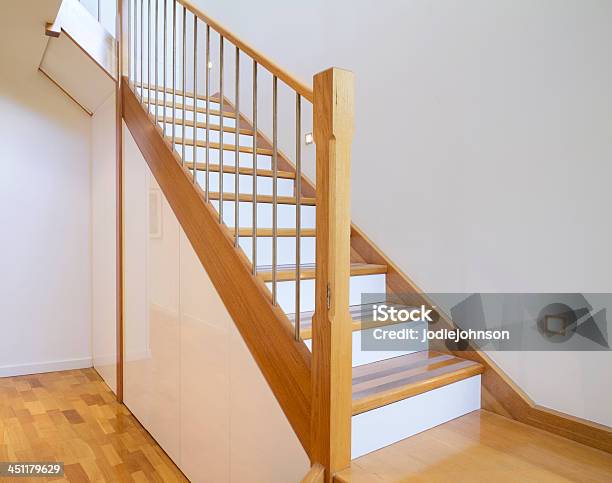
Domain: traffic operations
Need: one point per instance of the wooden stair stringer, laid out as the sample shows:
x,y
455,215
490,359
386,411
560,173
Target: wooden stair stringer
x,y
285,364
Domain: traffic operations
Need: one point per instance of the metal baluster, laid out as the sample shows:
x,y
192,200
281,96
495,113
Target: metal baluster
x,y
274,184
237,146
254,167
149,57
135,58
184,80
141,51
165,61
195,97
207,110
99,10
156,63
173,75
129,49
298,210
221,133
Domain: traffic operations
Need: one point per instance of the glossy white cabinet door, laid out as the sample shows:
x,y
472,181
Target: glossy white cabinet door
x,y
189,377
205,381
151,304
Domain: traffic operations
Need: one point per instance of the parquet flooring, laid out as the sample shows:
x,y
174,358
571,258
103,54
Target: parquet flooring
x,y
481,447
72,416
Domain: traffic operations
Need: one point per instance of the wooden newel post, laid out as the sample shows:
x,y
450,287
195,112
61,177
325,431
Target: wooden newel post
x,y
332,334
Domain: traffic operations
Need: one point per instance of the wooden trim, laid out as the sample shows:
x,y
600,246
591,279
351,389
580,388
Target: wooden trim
x,y
226,147
285,363
261,59
213,127
281,232
308,273
282,200
87,111
502,396
499,393
315,474
266,173
332,321
170,90
179,106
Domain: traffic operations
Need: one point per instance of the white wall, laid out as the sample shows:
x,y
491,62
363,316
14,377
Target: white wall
x,y
45,282
57,290
189,377
103,255
107,10
482,153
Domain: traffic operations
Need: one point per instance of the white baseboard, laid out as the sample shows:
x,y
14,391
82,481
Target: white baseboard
x,y
24,369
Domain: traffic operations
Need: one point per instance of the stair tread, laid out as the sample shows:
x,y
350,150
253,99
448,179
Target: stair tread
x,y
356,312
226,147
264,173
267,232
202,125
282,200
179,106
307,272
391,380
178,92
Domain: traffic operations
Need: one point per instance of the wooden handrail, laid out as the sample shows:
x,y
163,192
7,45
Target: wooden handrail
x,y
261,59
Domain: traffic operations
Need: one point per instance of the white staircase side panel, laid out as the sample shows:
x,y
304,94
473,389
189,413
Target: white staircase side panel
x,y
76,73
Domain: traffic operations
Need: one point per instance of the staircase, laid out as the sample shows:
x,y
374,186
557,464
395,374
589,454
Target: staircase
x,y
394,395
290,235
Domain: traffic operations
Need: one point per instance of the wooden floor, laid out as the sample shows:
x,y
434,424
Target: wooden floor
x,y
482,447
72,416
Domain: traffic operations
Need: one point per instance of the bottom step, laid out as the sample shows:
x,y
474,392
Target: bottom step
x,y
397,398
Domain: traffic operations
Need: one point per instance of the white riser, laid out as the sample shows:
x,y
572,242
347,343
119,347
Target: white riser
x,y
229,157
285,250
389,424
286,214
361,357
358,286
264,184
227,121
214,136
